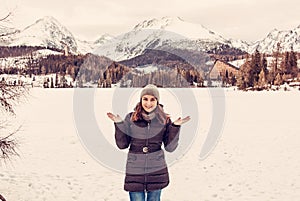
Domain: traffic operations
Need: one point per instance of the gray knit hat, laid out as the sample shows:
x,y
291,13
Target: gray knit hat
x,y
150,89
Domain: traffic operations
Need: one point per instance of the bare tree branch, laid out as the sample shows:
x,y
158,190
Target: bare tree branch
x,y
2,198
6,17
3,24
8,146
9,96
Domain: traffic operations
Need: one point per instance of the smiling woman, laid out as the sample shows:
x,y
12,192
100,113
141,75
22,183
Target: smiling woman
x,y
144,131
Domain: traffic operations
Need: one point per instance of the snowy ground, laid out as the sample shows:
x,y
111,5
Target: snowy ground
x,y
255,159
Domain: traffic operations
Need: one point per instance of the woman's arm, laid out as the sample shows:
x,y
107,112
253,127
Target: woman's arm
x,y
122,136
171,136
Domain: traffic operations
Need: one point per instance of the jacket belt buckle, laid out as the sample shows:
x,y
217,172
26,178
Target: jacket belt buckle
x,y
145,149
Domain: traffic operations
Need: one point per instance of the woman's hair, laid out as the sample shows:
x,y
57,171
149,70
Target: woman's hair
x,y
159,111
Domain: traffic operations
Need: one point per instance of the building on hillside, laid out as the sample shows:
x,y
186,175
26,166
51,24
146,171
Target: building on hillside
x,y
222,73
66,48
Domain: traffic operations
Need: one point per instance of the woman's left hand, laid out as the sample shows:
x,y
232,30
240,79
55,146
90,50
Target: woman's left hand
x,y
179,121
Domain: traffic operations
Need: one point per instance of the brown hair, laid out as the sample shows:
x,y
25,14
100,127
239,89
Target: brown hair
x,y
159,111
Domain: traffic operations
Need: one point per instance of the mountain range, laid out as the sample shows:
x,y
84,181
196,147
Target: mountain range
x,y
166,33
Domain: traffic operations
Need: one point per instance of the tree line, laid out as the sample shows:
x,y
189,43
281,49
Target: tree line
x,y
257,73
22,50
104,72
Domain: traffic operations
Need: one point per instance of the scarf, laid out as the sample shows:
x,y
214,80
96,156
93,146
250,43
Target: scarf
x,y
149,116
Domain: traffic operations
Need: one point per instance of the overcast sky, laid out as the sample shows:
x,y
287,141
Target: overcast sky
x,y
248,20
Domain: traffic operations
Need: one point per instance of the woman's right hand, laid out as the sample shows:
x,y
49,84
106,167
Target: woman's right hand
x,y
114,118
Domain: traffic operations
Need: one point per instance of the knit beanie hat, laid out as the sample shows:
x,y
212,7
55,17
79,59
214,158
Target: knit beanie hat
x,y
150,89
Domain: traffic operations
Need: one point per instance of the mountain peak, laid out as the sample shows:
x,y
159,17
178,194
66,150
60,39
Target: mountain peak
x,y
154,23
103,38
47,32
273,33
274,30
160,23
46,20
179,26
49,19
286,39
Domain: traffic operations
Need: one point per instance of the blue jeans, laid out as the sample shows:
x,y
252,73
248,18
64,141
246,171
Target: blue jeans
x,y
140,196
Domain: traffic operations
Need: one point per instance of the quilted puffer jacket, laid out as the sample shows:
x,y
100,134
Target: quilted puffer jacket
x,y
146,168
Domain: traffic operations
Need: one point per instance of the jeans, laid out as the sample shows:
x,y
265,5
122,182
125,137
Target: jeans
x,y
140,196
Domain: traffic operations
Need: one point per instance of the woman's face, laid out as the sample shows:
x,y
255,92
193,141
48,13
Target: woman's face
x,y
149,103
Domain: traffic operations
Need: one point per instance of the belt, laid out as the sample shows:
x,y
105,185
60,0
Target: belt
x,y
144,149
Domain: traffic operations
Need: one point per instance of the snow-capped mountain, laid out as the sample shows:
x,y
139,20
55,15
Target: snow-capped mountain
x,y
103,39
89,46
6,35
287,39
181,27
84,46
239,44
165,32
46,32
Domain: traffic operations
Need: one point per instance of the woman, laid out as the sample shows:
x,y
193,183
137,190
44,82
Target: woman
x,y
144,131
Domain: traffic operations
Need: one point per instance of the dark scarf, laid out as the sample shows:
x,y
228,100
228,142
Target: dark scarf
x,y
149,116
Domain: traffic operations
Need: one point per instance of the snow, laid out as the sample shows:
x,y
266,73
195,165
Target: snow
x,y
103,39
256,157
45,53
46,32
286,38
179,26
237,63
157,32
240,44
22,61
128,45
147,69
85,47
14,62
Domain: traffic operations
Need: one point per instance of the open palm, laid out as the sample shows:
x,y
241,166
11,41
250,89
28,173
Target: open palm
x,y
114,118
181,121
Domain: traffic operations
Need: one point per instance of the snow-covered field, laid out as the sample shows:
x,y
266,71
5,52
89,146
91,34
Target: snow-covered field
x,y
256,157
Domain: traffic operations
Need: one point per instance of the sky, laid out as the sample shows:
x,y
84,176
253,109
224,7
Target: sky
x,y
249,20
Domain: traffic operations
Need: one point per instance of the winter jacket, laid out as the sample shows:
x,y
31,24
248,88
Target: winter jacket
x,y
146,168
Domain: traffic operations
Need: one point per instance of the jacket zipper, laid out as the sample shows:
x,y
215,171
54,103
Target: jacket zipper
x,y
146,157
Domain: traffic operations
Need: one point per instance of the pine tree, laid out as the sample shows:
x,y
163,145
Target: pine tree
x,y
56,80
246,76
278,80
232,79
225,78
256,67
274,68
241,84
262,82
43,70
285,65
293,63
51,83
